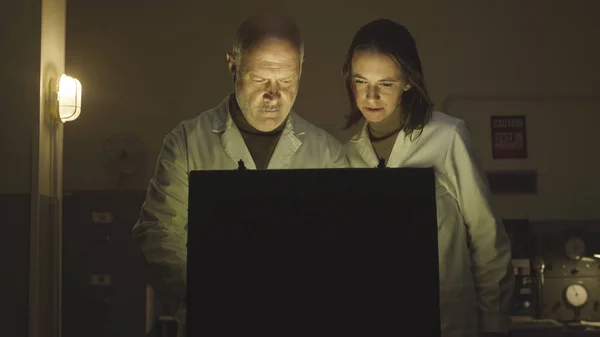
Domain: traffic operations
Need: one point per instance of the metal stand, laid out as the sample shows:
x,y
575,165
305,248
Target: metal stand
x,y
539,266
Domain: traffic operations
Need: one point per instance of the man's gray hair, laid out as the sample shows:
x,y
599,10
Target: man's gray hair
x,y
261,26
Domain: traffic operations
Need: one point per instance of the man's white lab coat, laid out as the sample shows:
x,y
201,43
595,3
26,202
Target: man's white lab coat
x,y
211,141
476,277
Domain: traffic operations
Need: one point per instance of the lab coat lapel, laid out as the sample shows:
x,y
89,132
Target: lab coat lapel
x,y
286,147
399,153
231,139
236,148
365,148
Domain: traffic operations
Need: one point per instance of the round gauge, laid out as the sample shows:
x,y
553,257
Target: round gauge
x,y
576,295
575,248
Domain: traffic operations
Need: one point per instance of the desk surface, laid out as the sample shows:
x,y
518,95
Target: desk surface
x,y
526,326
555,333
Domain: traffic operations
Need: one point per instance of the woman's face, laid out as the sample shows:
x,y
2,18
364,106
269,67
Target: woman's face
x,y
378,84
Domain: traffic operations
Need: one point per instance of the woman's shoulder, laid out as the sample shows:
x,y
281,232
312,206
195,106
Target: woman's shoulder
x,y
440,120
441,127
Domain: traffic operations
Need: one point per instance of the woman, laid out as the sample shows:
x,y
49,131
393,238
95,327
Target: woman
x,y
387,90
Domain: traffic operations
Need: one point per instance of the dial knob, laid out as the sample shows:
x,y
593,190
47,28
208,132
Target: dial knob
x,y
575,248
576,295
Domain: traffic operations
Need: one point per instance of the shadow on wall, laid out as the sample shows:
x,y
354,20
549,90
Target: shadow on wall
x,y
165,63
15,210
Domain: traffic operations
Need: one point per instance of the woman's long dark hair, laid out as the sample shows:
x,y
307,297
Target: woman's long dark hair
x,y
388,37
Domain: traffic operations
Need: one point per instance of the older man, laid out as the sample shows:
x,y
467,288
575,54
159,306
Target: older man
x,y
255,124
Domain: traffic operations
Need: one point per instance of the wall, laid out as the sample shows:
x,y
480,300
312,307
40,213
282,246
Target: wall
x,y
19,92
561,134
32,54
145,70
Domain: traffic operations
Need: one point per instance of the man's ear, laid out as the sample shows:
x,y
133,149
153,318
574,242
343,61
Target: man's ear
x,y
231,64
301,66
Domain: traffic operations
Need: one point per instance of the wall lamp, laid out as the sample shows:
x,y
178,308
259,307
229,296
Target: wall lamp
x,y
68,98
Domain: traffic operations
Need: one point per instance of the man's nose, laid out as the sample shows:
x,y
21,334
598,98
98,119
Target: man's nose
x,y
272,92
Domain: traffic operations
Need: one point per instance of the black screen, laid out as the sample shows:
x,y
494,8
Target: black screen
x,y
316,252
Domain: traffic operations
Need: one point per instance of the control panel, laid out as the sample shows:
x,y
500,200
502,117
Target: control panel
x,y
571,276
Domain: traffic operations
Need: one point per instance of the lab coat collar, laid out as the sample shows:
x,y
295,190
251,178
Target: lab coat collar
x,y
233,143
362,134
363,145
222,119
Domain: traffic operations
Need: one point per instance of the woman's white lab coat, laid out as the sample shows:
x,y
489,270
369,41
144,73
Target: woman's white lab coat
x,y
476,279
211,141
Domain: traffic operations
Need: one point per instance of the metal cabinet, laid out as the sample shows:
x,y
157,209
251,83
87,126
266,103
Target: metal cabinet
x,y
104,283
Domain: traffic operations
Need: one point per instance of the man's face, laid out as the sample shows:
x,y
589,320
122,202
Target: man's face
x,y
378,85
266,82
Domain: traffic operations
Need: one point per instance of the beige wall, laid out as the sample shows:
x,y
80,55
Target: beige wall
x,y
145,70
563,149
19,95
19,92
33,55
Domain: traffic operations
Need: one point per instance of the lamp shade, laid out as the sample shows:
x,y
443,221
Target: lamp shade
x,y
69,98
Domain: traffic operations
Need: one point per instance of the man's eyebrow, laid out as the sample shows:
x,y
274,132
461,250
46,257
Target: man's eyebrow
x,y
265,75
257,74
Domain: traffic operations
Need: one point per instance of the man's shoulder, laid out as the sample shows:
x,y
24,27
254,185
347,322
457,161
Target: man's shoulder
x,y
314,133
201,121
204,121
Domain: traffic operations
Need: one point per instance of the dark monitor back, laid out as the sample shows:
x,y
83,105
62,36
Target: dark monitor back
x,y
317,252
